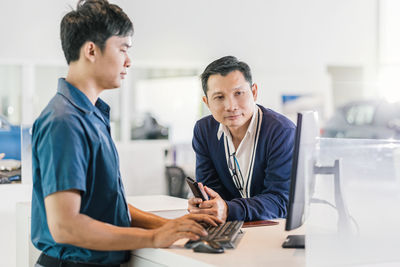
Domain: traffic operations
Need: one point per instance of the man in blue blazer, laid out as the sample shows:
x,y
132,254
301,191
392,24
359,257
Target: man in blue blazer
x,y
243,150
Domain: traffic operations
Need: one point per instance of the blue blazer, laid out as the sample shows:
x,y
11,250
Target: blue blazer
x,y
270,182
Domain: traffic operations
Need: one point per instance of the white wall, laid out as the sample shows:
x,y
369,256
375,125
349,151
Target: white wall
x,y
288,43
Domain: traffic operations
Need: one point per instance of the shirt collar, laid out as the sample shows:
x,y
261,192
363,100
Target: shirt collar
x,y
222,129
80,100
104,109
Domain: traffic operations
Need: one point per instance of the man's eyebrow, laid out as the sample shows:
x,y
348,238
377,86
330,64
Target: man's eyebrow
x,y
238,87
216,93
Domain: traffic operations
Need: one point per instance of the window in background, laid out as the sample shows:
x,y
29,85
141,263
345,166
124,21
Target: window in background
x,y
165,104
360,114
168,98
151,103
374,118
389,50
367,119
10,119
10,92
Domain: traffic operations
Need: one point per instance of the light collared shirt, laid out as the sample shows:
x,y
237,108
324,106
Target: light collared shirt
x,y
245,153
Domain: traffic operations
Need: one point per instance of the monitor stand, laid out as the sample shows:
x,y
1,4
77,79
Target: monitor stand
x,y
343,224
344,227
294,241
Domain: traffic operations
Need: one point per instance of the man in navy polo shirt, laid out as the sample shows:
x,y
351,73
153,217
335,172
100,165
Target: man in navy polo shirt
x,y
243,150
79,213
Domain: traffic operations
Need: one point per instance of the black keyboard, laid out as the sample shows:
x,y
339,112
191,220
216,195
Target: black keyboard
x,y
224,234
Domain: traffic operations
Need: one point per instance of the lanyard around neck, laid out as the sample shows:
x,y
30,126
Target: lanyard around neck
x,y
236,180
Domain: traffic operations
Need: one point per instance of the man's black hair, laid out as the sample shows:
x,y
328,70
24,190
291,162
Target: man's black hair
x,y
95,21
224,66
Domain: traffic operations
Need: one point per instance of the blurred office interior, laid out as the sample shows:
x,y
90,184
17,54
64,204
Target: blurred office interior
x,y
307,54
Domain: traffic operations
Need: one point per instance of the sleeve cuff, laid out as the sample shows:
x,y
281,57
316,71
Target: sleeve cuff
x,y
48,190
235,211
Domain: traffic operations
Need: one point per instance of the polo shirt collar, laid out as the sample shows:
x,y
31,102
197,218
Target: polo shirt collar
x,y
222,129
75,96
104,109
81,101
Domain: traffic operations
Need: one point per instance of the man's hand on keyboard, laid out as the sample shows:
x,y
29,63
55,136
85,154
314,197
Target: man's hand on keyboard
x,y
188,226
216,206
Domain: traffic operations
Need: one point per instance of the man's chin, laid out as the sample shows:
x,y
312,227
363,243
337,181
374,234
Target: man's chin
x,y
233,124
114,86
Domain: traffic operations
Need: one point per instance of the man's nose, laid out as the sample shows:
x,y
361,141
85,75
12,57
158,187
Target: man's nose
x,y
127,62
230,104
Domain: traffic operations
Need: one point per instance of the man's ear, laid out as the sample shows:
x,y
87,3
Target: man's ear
x,y
89,51
205,100
254,91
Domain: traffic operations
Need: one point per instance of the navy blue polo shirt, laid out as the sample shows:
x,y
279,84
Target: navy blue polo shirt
x,y
72,149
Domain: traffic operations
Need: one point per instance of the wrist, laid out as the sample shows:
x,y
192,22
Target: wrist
x,y
226,212
157,223
161,222
152,239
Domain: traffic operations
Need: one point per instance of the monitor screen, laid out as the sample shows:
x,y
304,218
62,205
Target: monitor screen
x,y
302,176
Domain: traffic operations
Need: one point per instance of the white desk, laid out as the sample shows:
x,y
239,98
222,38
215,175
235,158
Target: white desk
x,y
164,206
259,246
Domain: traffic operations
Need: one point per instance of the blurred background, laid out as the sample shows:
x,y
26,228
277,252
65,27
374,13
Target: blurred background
x,y
341,58
338,57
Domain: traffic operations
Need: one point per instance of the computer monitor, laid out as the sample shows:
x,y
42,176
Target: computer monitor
x,y
302,176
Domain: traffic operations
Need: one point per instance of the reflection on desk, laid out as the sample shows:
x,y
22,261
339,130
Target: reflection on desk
x,y
260,246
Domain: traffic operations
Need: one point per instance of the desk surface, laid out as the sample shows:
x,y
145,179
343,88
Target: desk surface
x,y
259,246
161,205
156,203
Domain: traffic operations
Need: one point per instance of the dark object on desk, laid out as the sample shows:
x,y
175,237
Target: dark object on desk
x,y
259,223
176,181
224,235
207,246
294,241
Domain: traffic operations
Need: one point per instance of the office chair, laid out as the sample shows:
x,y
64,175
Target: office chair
x,y
176,181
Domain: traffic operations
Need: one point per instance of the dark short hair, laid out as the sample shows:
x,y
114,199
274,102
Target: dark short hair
x,y
95,21
224,66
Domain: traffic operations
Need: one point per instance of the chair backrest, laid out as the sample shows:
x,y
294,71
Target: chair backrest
x,y
176,181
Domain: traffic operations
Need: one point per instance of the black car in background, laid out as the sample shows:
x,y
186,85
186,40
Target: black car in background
x,y
147,127
367,119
